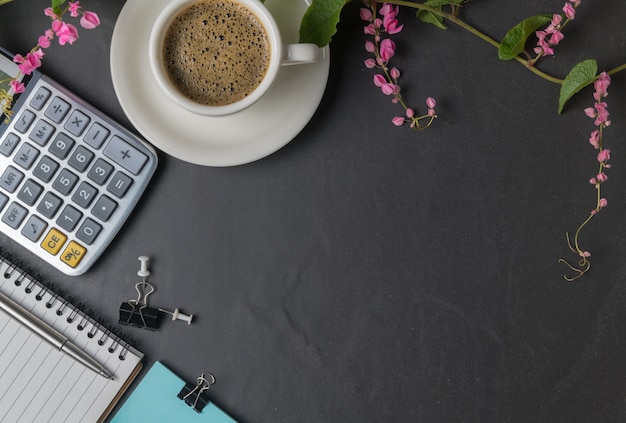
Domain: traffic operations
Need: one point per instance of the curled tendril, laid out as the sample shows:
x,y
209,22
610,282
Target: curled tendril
x,y
583,264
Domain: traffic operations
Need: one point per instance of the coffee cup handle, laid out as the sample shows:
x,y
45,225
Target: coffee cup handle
x,y
296,54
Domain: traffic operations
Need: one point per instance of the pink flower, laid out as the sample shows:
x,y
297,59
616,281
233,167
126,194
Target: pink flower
x,y
387,49
392,27
388,88
384,50
89,20
602,83
594,139
543,47
431,103
569,10
366,14
74,8
602,203
379,80
604,155
17,86
398,121
389,10
556,37
49,12
29,63
601,177
43,41
67,33
591,112
602,114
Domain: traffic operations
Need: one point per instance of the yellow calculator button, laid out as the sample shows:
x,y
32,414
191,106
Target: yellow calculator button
x,y
73,254
53,241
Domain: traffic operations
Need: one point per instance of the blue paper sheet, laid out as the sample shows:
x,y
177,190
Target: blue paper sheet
x,y
155,400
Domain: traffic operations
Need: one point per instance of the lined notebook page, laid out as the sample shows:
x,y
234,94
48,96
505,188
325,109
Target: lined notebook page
x,y
39,383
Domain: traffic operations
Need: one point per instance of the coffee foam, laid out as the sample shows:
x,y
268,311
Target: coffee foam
x,y
216,52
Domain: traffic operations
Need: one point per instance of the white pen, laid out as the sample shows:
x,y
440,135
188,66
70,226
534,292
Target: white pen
x,y
50,335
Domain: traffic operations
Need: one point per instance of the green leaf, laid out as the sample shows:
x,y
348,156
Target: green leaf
x,y
514,41
320,20
431,18
56,5
581,75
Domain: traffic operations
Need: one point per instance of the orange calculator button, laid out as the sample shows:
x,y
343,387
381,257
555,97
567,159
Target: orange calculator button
x,y
53,241
73,254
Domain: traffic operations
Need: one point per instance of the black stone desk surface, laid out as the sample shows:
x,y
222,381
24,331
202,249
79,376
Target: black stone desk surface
x,y
369,273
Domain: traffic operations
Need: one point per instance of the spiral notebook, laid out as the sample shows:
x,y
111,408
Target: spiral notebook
x,y
39,383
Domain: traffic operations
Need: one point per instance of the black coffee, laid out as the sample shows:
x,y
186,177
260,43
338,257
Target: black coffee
x,y
216,52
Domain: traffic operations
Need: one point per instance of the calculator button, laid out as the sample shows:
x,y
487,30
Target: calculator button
x,y
45,169
119,184
104,208
57,110
84,195
61,145
53,241
24,121
34,227
100,171
3,200
65,181
88,231
26,155
96,135
41,132
73,254
69,217
9,144
77,122
40,98
125,155
30,192
80,159
49,205
14,215
11,179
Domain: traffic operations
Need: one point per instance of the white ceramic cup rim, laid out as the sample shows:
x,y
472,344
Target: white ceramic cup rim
x,y
157,65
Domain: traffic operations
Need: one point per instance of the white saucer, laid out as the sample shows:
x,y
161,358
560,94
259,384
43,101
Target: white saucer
x,y
247,136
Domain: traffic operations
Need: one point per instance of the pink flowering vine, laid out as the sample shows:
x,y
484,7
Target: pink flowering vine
x,y
552,35
600,115
383,50
64,32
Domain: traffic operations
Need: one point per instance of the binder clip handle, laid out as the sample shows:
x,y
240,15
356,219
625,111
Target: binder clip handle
x,y
193,395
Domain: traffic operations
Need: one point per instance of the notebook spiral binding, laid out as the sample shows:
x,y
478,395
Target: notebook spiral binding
x,y
11,268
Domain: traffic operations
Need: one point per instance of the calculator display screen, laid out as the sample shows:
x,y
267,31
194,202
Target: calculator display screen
x,y
8,71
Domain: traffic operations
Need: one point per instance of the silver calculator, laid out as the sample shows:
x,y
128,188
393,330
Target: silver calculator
x,y
69,175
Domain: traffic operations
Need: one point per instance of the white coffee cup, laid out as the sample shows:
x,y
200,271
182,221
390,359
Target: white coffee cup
x,y
280,54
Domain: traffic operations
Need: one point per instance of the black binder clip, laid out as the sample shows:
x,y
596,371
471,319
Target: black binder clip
x,y
136,312
194,396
